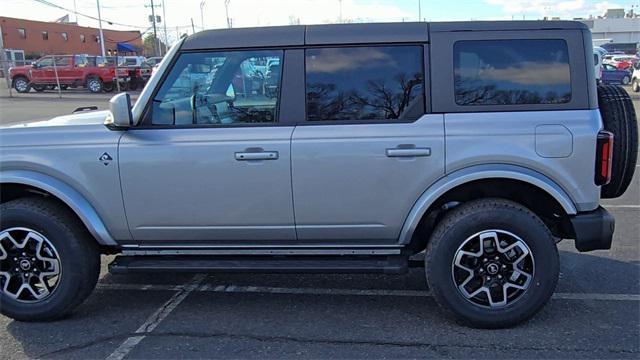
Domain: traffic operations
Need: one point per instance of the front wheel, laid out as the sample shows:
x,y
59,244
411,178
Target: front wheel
x,y
49,264
21,84
492,263
636,85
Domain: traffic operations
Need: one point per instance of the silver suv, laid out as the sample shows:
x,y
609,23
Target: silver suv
x,y
478,144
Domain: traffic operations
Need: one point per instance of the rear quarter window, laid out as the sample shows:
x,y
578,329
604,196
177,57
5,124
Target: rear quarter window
x,y
511,72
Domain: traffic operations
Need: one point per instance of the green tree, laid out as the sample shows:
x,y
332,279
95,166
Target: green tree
x,y
147,44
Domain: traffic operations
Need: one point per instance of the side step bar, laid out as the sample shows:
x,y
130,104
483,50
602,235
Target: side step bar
x,y
264,264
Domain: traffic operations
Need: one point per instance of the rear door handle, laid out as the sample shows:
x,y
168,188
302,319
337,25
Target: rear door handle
x,y
260,155
408,152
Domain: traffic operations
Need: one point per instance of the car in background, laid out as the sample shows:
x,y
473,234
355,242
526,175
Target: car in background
x,y
153,61
139,70
597,63
635,78
67,71
613,75
622,62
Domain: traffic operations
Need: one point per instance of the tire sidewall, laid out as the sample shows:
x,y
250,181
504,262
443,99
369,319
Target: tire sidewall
x,y
543,249
70,257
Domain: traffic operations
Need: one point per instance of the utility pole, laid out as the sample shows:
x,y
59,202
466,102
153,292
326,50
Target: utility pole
x,y
340,16
193,28
202,13
155,31
5,63
100,26
226,10
419,10
164,22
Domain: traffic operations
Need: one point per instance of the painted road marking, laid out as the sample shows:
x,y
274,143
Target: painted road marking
x,y
345,292
156,318
622,206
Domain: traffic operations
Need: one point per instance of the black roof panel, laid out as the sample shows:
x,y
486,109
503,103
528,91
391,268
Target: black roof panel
x,y
246,37
367,33
506,25
298,35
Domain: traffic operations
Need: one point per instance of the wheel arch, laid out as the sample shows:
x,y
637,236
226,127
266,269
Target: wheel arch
x,y
475,177
30,181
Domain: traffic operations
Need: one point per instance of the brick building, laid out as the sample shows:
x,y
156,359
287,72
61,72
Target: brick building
x,y
37,38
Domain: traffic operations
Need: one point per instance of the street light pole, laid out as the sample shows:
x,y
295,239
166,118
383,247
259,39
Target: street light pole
x,y
100,26
164,19
202,13
226,10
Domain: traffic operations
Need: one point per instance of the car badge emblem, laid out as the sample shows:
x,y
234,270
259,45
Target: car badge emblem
x,y
105,159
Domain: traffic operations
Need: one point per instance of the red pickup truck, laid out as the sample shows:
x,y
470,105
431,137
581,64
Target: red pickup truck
x,y
91,72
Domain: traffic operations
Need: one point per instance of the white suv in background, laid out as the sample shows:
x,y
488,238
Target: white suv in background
x,y
635,78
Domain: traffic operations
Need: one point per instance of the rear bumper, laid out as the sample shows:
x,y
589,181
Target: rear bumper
x,y
593,230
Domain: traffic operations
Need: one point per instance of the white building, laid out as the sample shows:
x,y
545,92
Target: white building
x,y
619,30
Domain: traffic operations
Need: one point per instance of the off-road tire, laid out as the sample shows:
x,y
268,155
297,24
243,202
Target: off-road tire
x,y
619,117
482,215
78,253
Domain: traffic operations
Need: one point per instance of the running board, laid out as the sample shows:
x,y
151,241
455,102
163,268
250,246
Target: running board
x,y
263,264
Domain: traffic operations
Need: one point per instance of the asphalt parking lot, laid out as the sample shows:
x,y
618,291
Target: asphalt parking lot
x,y
595,312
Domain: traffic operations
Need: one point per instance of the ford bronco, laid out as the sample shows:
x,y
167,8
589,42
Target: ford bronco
x,y
475,146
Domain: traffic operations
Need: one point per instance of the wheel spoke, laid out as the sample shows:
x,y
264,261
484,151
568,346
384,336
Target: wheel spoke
x,y
493,268
33,270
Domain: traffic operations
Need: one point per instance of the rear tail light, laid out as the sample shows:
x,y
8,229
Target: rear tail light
x,y
138,72
604,157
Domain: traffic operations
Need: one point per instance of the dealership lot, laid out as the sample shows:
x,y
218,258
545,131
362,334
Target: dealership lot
x,y
595,312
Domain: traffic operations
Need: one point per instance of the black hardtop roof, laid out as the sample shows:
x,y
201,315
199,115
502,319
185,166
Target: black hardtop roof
x,y
405,32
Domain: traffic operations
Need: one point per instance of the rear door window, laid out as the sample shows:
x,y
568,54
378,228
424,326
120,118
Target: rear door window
x,y
510,72
374,83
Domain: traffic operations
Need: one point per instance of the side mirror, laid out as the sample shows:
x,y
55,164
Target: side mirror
x,y
120,108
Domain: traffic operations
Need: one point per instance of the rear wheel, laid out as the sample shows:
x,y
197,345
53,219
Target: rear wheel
x,y
619,117
49,262
636,85
94,84
21,84
492,263
626,80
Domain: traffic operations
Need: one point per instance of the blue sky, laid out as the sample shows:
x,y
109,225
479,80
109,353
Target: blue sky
x,y
282,12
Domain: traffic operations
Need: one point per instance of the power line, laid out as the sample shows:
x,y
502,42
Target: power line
x,y
48,3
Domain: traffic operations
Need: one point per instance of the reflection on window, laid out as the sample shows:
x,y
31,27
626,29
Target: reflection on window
x,y
364,83
220,88
64,35
507,72
22,33
45,35
82,38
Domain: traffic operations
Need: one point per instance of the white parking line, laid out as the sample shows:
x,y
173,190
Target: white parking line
x,y
156,318
346,292
622,206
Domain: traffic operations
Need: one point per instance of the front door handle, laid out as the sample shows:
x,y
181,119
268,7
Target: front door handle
x,y
408,152
256,155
